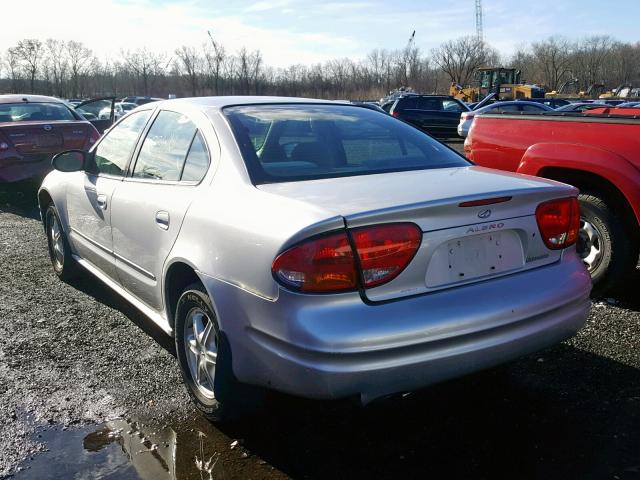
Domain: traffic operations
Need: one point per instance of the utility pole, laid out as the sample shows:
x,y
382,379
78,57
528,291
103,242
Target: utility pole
x,y
479,31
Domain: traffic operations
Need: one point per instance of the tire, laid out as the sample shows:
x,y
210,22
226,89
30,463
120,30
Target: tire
x,y
217,393
608,248
63,263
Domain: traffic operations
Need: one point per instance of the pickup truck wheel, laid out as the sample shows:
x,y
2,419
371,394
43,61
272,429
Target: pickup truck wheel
x,y
604,244
204,357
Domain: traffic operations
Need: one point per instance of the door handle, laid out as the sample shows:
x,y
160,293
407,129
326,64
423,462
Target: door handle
x,y
101,200
162,219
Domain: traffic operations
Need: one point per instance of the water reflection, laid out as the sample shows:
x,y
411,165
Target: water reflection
x,y
131,449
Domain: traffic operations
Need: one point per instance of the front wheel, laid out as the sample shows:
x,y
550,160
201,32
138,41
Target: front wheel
x,y
607,248
204,357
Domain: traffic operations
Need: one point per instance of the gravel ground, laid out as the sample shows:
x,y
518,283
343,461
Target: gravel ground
x,y
75,356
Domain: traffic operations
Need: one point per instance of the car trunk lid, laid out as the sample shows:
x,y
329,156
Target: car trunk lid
x,y
477,223
34,138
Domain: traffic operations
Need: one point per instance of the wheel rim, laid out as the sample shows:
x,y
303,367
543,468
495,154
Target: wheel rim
x,y
57,244
201,348
590,245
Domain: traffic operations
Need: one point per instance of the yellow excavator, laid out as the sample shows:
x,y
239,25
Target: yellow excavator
x,y
504,82
569,90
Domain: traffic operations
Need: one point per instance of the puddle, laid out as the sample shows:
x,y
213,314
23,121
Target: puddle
x,y
130,449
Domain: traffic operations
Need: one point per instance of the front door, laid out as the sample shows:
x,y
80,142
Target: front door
x,y
150,205
89,198
99,111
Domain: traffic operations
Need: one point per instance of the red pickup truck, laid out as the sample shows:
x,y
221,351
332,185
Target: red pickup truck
x,y
598,152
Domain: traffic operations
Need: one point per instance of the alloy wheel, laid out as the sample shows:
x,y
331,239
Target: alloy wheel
x,y
201,348
590,245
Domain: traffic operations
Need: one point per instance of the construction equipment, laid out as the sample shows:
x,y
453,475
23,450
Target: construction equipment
x,y
505,82
569,90
626,91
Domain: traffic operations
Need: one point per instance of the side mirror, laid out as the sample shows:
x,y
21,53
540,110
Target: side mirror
x,y
69,161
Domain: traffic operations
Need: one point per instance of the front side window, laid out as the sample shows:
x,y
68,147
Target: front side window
x,y
307,141
113,152
165,147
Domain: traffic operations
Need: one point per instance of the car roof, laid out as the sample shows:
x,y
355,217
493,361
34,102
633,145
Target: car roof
x,y
17,98
542,106
227,101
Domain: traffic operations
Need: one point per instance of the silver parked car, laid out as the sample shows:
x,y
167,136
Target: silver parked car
x,y
315,248
512,106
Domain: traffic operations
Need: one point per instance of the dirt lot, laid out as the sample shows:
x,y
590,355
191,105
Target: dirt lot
x,y
88,388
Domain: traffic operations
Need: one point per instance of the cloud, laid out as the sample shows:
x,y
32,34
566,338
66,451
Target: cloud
x,y
266,5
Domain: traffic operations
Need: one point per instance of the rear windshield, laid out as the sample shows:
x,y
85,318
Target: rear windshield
x,y
29,112
283,143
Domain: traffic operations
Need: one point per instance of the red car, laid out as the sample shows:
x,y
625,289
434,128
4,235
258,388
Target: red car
x,y
33,128
598,152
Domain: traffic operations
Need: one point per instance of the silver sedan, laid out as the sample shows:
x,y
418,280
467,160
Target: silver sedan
x,y
315,248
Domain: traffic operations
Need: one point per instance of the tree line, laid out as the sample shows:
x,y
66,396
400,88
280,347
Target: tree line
x,y
69,69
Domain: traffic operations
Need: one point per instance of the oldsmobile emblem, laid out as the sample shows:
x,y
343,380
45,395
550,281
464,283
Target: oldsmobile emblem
x,y
47,127
484,213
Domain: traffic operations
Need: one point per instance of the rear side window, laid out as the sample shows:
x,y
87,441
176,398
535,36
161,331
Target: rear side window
x,y
311,141
426,103
451,106
197,163
165,147
114,150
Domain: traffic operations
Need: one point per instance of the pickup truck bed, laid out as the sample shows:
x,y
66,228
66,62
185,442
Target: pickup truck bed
x,y
597,152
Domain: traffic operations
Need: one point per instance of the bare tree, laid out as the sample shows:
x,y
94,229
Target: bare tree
x,y
553,60
460,58
59,63
79,60
30,52
189,62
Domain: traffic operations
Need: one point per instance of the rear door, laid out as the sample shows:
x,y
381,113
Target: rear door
x,y
150,204
89,195
99,111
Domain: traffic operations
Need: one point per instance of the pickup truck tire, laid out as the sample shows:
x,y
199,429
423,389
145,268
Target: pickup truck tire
x,y
607,247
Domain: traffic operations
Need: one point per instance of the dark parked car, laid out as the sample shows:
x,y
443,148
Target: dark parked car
x,y
33,128
370,106
437,115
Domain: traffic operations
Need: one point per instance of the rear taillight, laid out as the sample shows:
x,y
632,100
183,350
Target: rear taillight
x,y
328,263
385,250
324,264
559,222
94,136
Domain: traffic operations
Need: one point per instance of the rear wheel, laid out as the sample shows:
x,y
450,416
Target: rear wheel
x,y
605,245
59,250
204,356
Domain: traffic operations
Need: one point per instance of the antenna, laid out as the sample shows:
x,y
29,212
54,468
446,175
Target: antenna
x,y
479,31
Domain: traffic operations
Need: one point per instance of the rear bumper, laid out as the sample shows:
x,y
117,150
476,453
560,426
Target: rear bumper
x,y
337,346
16,169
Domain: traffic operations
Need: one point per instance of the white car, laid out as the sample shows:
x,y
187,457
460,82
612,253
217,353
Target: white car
x,y
120,109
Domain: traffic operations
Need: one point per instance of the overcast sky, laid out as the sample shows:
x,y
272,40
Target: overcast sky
x,y
305,31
